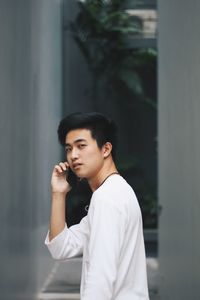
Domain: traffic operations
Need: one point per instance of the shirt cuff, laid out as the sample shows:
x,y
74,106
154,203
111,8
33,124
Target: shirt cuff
x,y
56,238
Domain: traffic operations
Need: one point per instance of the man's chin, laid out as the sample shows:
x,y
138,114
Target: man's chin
x,y
80,174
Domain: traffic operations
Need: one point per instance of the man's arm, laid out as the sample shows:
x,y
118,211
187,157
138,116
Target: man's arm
x,y
63,242
60,187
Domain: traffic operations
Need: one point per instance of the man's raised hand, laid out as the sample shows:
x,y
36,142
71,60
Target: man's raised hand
x,y
59,183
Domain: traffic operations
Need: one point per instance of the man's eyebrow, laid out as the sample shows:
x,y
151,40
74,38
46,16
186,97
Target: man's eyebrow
x,y
75,142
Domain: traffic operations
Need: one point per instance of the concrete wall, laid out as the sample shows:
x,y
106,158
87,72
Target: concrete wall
x,y
30,108
179,149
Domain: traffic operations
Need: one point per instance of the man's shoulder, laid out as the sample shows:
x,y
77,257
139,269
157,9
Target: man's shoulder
x,y
116,192
117,186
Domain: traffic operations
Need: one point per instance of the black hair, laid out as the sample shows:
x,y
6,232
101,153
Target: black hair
x,y
102,128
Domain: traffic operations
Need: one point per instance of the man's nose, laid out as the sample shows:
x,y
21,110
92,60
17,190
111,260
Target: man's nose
x,y
74,154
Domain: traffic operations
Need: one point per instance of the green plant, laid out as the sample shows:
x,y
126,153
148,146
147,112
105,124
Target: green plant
x,y
101,31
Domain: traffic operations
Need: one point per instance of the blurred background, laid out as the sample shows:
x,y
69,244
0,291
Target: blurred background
x,y
136,61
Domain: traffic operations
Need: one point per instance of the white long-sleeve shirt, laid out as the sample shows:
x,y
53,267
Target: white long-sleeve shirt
x,y
111,240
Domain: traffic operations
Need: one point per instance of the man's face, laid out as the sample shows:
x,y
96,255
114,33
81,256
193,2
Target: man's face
x,y
83,154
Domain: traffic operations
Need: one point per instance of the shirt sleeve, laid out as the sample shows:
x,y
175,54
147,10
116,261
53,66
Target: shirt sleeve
x,y
69,243
107,233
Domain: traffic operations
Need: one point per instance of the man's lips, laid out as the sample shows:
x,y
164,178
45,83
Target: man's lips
x,y
76,165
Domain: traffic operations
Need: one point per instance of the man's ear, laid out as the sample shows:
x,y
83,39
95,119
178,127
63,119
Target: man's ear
x,y
107,148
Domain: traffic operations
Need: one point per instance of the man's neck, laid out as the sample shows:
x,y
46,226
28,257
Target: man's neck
x,y
99,178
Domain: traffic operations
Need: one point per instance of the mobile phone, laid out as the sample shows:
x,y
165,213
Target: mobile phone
x,y
71,178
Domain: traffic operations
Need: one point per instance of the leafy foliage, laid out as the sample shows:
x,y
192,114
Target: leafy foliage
x,y
101,30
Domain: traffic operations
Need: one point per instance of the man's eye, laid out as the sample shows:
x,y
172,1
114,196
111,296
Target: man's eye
x,y
82,146
67,150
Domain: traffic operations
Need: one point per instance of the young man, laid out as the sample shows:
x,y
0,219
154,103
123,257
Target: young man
x,y
110,237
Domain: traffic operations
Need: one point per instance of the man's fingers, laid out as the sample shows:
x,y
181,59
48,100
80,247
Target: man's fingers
x,y
61,167
64,165
58,169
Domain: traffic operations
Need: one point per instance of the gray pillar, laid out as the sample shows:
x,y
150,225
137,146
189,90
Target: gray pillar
x,y
30,108
179,149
